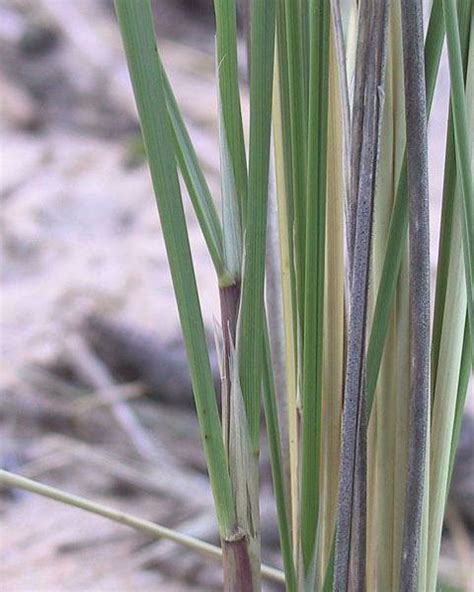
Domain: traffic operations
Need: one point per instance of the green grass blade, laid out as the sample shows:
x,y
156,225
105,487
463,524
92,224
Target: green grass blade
x,y
298,131
396,240
274,445
314,274
231,219
463,149
8,479
195,181
304,11
136,25
446,228
447,380
466,361
160,532
251,321
449,376
228,79
464,377
446,233
229,284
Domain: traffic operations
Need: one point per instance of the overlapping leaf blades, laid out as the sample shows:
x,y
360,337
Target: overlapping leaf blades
x,y
320,105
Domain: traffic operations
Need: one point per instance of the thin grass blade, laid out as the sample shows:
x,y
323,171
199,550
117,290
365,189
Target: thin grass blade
x,y
463,148
292,13
445,416
8,479
231,219
314,275
274,445
251,322
228,80
465,375
444,406
195,181
136,25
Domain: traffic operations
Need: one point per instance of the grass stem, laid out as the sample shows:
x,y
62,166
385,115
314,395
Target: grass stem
x,y
418,190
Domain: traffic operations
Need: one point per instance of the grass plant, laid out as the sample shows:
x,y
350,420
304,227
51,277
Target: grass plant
x,y
340,98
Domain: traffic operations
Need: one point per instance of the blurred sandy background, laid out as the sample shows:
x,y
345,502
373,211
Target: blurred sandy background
x,y
87,311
